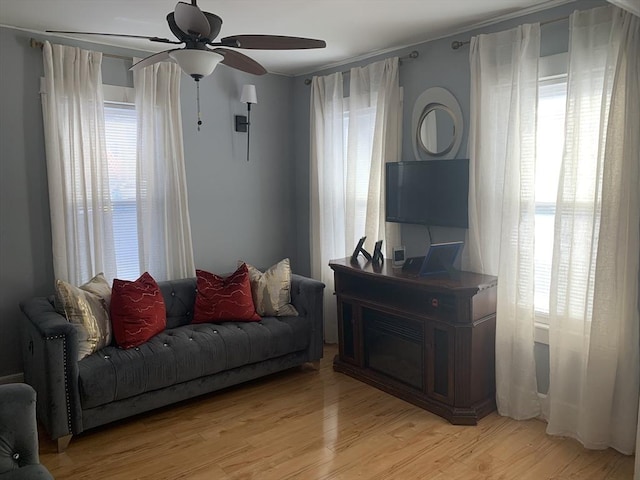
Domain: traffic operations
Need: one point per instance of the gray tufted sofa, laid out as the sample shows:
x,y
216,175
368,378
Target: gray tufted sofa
x,y
19,457
181,362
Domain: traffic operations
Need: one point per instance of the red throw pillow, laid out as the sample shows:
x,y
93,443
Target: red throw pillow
x,y
219,299
137,310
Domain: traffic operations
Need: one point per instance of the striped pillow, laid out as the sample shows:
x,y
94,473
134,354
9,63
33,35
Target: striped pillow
x,y
137,310
221,299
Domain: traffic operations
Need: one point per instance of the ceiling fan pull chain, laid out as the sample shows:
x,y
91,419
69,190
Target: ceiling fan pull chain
x,y
198,102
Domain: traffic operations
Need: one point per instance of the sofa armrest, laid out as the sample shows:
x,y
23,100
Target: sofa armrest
x,y
50,357
307,297
18,432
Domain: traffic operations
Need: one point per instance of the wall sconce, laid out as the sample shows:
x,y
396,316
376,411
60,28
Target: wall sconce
x,y
243,123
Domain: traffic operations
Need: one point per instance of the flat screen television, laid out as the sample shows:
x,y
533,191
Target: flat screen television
x,y
429,192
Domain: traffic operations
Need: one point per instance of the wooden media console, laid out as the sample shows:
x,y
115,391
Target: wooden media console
x,y
428,340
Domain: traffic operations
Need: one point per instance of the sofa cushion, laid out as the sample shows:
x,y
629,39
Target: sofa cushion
x,y
137,310
179,297
271,290
185,353
224,298
87,308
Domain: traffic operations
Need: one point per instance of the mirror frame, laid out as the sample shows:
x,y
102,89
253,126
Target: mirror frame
x,y
428,100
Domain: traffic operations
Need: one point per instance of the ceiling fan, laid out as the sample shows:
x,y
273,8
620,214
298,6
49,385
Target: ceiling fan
x,y
200,54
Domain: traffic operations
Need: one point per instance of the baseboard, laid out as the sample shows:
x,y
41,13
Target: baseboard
x,y
15,378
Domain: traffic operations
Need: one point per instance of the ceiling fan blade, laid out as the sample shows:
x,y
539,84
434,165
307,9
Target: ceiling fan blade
x,y
180,35
215,24
153,39
239,61
155,58
271,42
191,20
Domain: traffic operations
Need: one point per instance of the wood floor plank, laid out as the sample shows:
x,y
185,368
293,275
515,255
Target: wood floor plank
x,y
322,425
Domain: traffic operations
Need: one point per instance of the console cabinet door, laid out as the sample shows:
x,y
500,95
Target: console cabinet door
x,y
349,332
440,343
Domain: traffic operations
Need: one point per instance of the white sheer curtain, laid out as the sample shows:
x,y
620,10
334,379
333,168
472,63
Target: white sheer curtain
x,y
328,196
164,229
502,151
374,88
594,337
351,139
72,106
594,321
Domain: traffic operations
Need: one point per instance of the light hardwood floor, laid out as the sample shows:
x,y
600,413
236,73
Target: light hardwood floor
x,y
306,424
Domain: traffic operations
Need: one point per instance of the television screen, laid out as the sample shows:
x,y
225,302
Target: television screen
x,y
429,192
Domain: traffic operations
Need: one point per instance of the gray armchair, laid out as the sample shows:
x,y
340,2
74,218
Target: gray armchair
x,y
19,434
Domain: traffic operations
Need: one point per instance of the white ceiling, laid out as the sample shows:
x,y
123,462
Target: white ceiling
x,y
353,29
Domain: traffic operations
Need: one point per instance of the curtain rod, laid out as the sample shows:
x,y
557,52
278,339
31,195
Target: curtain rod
x,y
39,44
456,44
411,55
33,43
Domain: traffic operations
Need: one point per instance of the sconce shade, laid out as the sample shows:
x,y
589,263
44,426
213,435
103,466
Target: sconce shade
x,y
249,94
196,63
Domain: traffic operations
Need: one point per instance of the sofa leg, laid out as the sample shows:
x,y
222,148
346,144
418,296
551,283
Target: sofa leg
x,y
315,365
63,443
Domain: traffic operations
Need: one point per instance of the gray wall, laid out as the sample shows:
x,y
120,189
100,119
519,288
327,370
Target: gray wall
x,y
238,209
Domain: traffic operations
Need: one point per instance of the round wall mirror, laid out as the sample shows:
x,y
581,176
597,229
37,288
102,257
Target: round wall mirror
x,y
437,124
436,130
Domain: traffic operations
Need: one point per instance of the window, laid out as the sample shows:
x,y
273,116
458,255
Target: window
x,y
121,139
360,160
552,96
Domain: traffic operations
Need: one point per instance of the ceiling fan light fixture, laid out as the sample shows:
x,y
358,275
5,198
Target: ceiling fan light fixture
x,y
196,63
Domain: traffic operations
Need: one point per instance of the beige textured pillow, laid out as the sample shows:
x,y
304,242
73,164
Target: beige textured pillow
x,y
87,308
271,290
